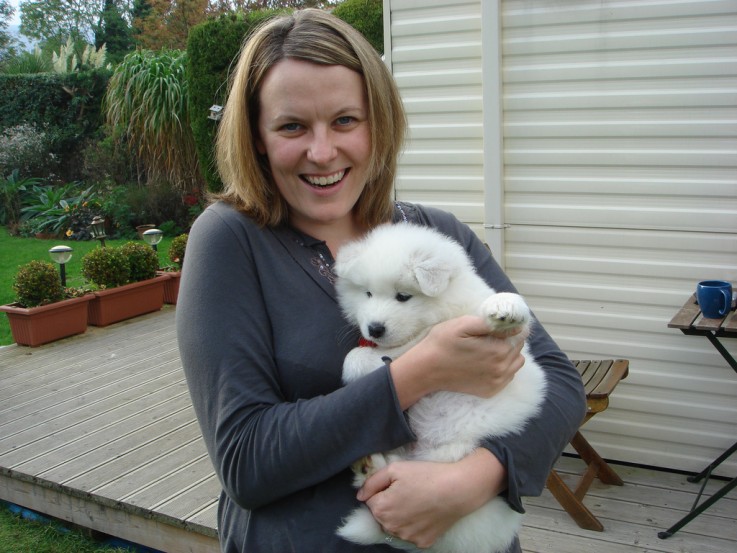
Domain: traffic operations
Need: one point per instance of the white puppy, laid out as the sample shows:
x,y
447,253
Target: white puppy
x,y
395,284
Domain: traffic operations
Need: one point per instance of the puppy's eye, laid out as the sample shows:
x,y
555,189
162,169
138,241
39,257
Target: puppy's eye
x,y
402,297
369,294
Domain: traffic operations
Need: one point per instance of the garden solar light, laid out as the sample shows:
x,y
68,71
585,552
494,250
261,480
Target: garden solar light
x,y
97,229
153,236
61,255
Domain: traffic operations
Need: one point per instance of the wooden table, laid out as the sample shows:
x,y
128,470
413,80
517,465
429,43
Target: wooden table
x,y
691,322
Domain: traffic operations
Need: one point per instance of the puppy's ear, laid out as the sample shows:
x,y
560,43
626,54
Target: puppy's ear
x,y
346,258
433,275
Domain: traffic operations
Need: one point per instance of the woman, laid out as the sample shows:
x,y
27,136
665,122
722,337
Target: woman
x,y
307,150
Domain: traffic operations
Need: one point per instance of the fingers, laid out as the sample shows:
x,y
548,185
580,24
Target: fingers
x,y
375,483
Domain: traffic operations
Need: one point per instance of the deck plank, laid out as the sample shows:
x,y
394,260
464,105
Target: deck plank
x,y
98,429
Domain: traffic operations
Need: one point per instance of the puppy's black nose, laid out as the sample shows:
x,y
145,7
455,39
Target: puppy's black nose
x,y
376,330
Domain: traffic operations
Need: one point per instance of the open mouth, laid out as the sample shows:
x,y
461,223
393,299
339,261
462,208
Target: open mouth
x,y
325,181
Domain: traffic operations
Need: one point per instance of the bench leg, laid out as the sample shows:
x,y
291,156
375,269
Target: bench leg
x,y
572,504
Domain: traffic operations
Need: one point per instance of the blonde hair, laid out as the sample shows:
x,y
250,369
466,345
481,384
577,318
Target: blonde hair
x,y
315,36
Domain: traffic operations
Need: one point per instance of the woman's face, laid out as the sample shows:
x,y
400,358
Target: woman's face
x,y
313,127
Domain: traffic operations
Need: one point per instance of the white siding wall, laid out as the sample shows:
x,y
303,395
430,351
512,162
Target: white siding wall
x,y
436,61
619,179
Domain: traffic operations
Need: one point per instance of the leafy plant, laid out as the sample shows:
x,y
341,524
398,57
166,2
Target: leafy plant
x,y
37,283
61,208
177,248
142,259
12,188
106,267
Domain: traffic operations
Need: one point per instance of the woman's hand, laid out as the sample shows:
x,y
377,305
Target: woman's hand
x,y
419,501
459,355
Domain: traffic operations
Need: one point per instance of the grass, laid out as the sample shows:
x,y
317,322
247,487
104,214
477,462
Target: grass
x,y
16,251
21,535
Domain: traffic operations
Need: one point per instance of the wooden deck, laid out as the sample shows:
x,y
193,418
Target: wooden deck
x,y
98,430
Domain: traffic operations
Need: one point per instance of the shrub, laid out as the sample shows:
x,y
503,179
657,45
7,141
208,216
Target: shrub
x,y
106,267
176,249
367,17
26,149
211,48
37,283
142,260
66,107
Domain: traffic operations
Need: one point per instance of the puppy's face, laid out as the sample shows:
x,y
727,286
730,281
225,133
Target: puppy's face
x,y
390,284
388,313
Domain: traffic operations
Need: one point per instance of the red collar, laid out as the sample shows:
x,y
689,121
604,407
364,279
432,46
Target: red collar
x,y
364,343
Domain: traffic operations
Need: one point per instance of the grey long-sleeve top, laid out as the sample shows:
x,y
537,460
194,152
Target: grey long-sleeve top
x,y
262,342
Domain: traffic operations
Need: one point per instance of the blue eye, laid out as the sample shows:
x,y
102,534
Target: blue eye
x,y
402,297
345,120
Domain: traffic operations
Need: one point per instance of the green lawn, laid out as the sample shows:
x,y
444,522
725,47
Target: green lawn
x,y
15,251
19,535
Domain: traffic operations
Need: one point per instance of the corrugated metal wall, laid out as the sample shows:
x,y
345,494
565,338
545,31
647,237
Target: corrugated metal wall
x,y
619,182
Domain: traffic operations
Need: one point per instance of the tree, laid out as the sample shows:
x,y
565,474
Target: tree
x,y
114,32
56,19
6,40
168,23
141,10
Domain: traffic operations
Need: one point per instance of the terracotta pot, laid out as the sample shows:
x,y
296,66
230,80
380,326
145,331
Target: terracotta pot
x,y
140,229
33,326
171,286
128,301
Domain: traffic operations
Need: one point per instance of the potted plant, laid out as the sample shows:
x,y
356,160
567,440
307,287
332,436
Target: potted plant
x,y
126,280
44,311
176,256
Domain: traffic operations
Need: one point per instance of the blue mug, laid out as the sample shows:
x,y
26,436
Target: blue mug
x,y
714,297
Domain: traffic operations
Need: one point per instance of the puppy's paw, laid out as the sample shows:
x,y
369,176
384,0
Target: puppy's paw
x,y
366,466
506,312
360,362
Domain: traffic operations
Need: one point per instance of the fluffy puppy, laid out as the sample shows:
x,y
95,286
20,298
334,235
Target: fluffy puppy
x,y
395,284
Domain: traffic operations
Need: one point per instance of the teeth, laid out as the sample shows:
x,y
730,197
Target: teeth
x,y
325,181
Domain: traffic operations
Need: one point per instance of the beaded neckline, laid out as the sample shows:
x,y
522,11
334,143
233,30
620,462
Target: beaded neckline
x,y
319,260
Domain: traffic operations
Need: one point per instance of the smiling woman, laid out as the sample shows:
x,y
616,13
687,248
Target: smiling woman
x,y
307,149
318,151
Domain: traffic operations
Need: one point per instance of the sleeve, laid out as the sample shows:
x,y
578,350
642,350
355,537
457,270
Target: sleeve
x,y
530,454
263,447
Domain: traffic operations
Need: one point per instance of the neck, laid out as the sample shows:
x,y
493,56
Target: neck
x,y
335,233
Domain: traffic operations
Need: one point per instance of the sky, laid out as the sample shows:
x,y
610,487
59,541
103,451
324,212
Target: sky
x,y
16,16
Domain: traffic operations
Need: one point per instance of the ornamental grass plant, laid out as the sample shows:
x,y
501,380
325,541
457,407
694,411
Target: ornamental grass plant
x,y
155,125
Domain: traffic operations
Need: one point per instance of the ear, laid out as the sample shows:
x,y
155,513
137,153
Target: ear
x,y
346,258
260,148
433,275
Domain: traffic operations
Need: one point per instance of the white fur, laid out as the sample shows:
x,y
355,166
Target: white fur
x,y
376,277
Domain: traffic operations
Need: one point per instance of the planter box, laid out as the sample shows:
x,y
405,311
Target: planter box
x,y
171,286
125,302
33,326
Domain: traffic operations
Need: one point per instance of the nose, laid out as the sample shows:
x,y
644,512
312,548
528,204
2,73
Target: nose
x,y
322,147
376,330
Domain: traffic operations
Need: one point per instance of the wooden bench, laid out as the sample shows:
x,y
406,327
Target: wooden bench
x,y
599,378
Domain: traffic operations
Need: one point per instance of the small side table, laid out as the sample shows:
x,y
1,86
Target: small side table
x,y
690,321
